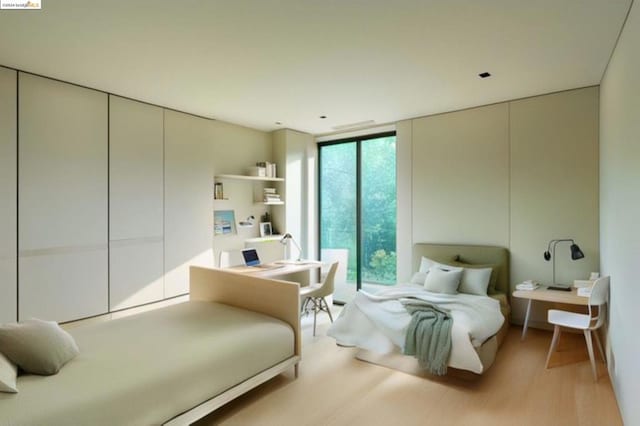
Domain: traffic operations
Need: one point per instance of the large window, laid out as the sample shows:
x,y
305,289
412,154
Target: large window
x,y
358,211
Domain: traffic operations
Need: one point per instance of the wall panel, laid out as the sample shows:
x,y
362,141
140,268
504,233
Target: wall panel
x,y
188,231
63,199
8,194
136,206
554,186
620,210
461,177
136,272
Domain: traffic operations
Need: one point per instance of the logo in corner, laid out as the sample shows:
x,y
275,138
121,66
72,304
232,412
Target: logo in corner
x,y
13,4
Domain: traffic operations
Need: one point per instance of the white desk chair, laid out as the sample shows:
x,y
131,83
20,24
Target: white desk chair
x,y
315,294
585,322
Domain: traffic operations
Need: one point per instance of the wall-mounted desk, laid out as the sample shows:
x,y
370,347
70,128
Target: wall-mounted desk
x,y
276,270
545,295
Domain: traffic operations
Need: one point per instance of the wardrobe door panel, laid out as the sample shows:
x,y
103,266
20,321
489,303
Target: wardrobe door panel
x,y
63,286
188,198
135,169
136,275
136,206
8,188
62,194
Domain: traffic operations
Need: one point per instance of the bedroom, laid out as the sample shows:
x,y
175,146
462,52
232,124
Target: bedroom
x,y
582,186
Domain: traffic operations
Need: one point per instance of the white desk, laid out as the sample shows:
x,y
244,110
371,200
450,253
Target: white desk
x,y
276,269
545,295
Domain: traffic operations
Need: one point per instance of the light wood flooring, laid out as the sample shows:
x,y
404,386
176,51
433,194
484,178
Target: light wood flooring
x,y
335,389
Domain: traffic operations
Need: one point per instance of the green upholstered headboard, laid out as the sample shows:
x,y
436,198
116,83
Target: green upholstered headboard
x,y
468,254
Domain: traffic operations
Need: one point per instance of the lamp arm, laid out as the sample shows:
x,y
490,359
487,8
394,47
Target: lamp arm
x,y
555,243
288,237
295,243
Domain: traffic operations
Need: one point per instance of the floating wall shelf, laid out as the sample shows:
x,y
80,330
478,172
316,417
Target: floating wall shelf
x,y
251,178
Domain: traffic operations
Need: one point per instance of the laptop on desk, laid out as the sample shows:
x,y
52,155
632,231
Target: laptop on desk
x,y
252,261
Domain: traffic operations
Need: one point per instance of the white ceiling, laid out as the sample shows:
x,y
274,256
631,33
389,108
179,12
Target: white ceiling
x,y
255,62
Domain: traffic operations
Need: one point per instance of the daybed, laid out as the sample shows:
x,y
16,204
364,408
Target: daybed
x,y
171,365
377,347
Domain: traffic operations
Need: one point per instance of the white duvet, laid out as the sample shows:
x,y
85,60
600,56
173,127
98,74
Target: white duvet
x,y
379,322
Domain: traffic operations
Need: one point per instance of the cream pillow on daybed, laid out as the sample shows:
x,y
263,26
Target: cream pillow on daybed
x,y
8,374
36,346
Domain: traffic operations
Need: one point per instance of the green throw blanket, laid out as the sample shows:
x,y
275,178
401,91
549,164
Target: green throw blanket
x,y
428,335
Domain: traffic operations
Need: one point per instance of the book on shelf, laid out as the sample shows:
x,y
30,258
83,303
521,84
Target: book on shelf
x,y
269,190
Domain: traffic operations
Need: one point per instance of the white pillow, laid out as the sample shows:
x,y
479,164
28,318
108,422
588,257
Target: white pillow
x,y
443,279
475,281
8,374
426,264
418,278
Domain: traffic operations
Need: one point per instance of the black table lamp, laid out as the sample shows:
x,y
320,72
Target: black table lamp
x,y
576,253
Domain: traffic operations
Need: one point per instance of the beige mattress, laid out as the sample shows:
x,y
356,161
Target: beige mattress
x,y
146,369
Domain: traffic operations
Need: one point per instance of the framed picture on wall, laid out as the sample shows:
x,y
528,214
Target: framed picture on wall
x,y
224,222
265,229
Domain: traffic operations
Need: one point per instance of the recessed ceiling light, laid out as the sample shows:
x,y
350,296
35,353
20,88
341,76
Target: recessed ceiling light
x,y
323,117
484,74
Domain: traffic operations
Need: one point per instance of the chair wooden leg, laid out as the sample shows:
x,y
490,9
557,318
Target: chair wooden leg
x,y
600,346
587,337
554,343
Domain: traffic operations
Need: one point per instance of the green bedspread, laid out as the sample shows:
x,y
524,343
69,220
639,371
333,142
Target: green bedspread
x,y
428,336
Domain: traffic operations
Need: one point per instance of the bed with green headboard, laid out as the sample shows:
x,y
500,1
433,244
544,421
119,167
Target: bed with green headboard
x,y
459,255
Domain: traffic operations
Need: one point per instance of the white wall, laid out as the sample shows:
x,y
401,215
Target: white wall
x,y
461,177
8,192
506,175
554,188
620,211
236,149
404,194
295,155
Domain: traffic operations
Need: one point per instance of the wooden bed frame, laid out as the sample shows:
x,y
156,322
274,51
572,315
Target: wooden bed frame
x,y
449,253
278,299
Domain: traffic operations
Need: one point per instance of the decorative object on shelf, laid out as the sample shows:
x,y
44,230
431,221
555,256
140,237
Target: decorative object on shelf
x,y
224,222
285,241
576,253
269,168
265,229
257,171
248,222
218,191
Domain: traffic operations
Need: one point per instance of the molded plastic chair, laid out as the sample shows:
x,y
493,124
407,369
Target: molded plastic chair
x,y
315,294
585,322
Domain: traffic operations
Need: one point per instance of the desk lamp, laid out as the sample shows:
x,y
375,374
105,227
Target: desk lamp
x,y
576,253
285,239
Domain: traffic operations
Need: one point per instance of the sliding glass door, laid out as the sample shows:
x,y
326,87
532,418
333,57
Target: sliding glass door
x,y
358,212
